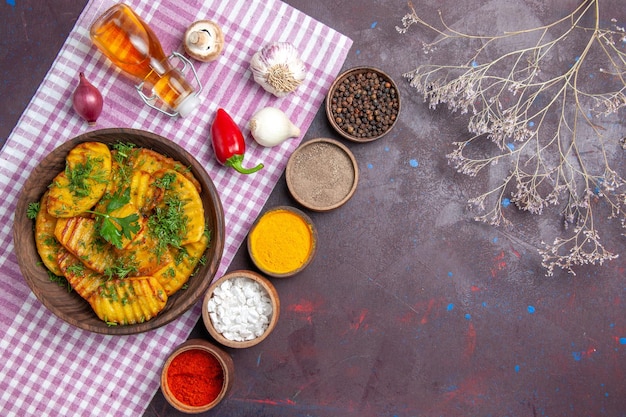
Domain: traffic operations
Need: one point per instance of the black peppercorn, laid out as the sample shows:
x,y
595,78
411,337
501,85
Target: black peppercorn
x,y
365,105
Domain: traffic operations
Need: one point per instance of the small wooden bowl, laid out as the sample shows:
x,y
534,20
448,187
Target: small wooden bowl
x,y
228,370
352,109
307,228
69,306
322,174
274,300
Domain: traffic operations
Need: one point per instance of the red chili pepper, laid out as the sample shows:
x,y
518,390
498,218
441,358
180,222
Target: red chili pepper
x,y
229,144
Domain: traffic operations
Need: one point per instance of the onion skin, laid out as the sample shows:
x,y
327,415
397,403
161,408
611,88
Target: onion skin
x,y
87,100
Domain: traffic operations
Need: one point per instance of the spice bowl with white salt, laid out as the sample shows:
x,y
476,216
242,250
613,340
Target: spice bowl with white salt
x,y
240,309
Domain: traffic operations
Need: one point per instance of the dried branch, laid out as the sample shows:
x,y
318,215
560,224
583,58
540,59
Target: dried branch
x,y
546,125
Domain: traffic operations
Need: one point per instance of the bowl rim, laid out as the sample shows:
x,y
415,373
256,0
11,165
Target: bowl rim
x,y
331,91
222,357
275,300
314,239
22,237
290,168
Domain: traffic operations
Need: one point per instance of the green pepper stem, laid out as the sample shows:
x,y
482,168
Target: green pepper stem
x,y
236,161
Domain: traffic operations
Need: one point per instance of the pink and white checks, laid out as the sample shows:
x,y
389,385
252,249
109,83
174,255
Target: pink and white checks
x,y
51,368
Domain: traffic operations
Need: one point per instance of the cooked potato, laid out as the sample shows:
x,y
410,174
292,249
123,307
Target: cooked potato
x,y
177,272
182,190
143,254
129,300
126,230
79,236
143,194
83,182
83,280
47,244
151,161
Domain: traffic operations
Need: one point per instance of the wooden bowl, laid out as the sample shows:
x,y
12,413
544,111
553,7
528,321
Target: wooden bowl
x,y
257,245
69,306
355,106
228,372
322,174
274,300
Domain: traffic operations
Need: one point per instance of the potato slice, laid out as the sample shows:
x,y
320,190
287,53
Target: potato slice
x,y
79,236
151,161
143,254
47,244
177,272
83,182
143,194
128,300
181,190
83,280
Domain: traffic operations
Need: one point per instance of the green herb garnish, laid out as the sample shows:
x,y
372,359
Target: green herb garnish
x,y
165,182
112,228
169,225
124,151
81,172
32,210
59,280
121,268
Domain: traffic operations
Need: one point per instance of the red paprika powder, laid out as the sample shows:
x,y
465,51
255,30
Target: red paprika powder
x,y
195,377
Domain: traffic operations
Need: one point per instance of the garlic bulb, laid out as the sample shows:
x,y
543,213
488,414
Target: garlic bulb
x,y
270,127
277,67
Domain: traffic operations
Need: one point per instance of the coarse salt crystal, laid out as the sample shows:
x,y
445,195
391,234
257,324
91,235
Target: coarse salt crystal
x,y
240,310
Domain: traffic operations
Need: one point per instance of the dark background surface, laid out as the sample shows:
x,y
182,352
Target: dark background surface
x,y
410,308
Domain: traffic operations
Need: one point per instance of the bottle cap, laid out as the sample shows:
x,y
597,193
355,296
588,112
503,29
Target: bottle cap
x,y
188,105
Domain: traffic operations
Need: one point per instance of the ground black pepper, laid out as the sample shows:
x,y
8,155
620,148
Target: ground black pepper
x,y
365,104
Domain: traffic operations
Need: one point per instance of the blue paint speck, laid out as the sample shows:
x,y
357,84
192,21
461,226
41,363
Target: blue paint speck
x,y
474,64
450,274
450,307
506,202
577,355
531,309
516,368
370,166
495,240
622,340
414,163
358,52
468,316
373,25
531,124
386,148
511,146
11,2
484,304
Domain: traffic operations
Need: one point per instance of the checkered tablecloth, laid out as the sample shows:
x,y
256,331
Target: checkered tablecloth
x,y
51,368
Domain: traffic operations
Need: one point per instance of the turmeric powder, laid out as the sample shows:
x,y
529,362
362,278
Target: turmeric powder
x,y
281,242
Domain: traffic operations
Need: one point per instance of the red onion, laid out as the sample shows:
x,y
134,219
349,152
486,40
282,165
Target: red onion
x,y
87,100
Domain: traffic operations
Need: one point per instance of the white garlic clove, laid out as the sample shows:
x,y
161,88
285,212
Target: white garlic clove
x,y
270,127
277,67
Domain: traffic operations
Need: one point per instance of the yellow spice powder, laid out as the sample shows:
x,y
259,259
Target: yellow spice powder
x,y
281,241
